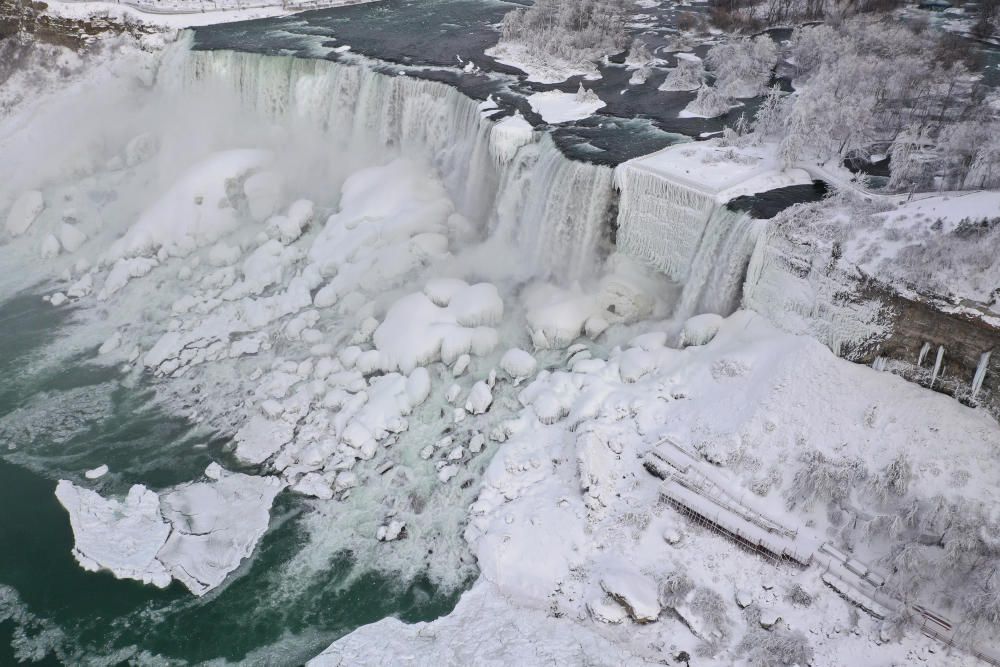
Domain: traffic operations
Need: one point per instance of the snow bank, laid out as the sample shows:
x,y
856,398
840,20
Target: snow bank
x,y
195,211
555,106
416,332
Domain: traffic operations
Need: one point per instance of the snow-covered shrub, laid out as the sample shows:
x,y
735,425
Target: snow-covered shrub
x,y
743,67
775,648
824,479
893,480
710,609
674,588
688,75
799,596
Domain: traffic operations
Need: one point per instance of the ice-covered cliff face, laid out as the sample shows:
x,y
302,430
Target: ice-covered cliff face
x,y
806,278
682,229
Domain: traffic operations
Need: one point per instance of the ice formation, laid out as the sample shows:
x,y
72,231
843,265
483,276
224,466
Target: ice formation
x,y
196,533
555,106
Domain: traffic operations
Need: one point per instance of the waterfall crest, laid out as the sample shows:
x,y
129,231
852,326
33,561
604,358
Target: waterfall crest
x,y
659,221
552,209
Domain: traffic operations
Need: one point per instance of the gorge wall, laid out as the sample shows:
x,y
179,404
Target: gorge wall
x,y
28,19
800,284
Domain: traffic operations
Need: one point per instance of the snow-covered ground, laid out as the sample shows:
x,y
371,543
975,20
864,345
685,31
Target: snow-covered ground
x,y
571,528
178,14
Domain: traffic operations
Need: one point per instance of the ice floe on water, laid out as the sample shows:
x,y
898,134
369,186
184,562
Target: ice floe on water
x,y
196,533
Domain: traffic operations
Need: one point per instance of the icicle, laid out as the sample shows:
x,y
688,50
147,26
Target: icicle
x,y
937,364
659,221
923,353
977,379
879,363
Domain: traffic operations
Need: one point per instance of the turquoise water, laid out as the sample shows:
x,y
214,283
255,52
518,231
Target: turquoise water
x,y
60,417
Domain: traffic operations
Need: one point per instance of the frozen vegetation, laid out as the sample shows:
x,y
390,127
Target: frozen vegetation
x,y
555,39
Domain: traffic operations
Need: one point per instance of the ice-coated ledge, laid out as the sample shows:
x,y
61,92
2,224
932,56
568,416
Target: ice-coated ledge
x,y
196,533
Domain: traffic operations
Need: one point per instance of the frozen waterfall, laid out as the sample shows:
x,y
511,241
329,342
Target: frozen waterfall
x,y
682,230
552,209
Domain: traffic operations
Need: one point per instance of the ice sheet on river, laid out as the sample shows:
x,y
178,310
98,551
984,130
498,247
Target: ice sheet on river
x,y
196,533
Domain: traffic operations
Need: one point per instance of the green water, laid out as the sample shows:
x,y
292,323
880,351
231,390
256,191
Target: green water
x,y
62,417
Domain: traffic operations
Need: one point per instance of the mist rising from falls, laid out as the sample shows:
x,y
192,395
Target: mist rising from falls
x,y
553,211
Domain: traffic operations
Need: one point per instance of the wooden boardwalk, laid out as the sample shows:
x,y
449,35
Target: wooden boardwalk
x,y
704,495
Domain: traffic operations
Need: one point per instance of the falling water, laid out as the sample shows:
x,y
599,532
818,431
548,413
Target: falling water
x,y
552,208
717,272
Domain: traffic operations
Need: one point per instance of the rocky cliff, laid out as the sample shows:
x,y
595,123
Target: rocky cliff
x,y
27,19
799,280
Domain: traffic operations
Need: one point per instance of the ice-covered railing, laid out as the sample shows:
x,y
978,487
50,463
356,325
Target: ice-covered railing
x,y
554,210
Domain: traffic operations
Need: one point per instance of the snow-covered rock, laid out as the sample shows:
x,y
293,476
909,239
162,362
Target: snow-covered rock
x,y
700,329
634,591
518,364
480,399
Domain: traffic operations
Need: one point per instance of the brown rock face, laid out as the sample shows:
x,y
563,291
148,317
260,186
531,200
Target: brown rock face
x,y
26,19
963,338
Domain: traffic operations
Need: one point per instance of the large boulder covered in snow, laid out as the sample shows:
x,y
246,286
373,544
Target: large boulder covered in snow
x,y
700,329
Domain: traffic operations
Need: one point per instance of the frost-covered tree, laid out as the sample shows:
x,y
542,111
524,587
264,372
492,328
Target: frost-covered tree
x,y
912,159
769,120
743,67
571,30
639,54
688,75
709,102
811,46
